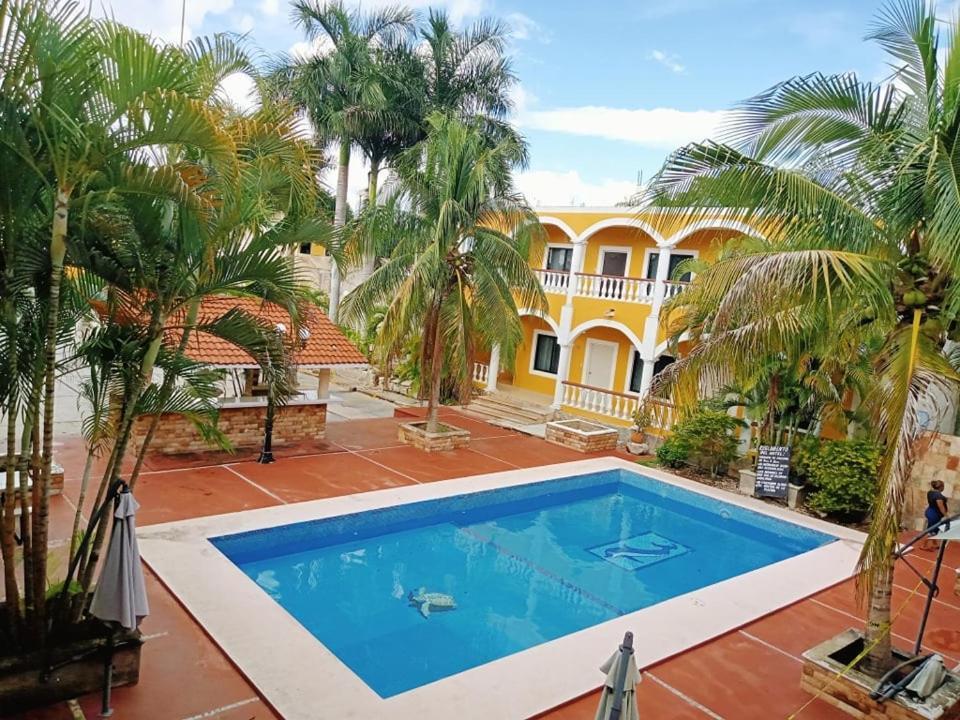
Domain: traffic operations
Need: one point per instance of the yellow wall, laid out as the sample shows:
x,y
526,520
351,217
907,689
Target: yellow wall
x,y
624,352
522,377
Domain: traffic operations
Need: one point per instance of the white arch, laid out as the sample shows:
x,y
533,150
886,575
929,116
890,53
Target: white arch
x,y
528,312
558,223
662,347
718,224
613,324
621,222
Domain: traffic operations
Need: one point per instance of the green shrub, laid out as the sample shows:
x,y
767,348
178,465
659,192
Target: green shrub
x,y
801,456
673,453
704,439
843,475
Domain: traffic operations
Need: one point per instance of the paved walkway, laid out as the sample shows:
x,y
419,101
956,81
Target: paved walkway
x,y
749,674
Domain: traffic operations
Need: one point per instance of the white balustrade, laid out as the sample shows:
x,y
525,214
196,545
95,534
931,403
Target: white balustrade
x,y
674,288
481,371
600,401
611,287
553,281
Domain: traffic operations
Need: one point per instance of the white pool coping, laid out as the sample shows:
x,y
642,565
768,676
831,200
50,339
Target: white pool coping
x,y
302,679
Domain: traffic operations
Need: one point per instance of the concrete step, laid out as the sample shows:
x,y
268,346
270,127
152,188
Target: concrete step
x,y
495,408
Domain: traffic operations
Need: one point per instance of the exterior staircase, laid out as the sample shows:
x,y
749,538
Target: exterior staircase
x,y
507,411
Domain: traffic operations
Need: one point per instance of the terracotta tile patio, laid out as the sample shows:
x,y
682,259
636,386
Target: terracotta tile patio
x,y
751,673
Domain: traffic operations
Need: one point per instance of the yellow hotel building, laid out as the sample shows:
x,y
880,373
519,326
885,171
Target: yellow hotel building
x,y
606,273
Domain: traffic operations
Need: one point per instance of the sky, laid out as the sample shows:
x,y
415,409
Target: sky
x,y
607,88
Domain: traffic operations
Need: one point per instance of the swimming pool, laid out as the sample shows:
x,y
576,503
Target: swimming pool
x,y
547,568
522,565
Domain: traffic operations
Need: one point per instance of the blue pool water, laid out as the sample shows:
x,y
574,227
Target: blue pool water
x,y
524,565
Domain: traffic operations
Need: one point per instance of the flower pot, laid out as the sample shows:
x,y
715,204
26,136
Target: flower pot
x,y
824,673
796,495
638,437
77,669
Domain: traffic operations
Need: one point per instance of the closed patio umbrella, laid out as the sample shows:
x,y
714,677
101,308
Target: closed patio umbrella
x,y
621,684
121,596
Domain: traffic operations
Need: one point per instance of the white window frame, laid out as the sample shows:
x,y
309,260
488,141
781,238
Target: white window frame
x,y
546,255
586,362
533,354
604,249
679,251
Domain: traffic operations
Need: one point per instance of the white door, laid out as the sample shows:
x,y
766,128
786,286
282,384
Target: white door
x,y
599,364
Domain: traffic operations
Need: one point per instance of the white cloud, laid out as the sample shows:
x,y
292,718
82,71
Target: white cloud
x,y
655,128
239,89
246,23
668,60
161,18
524,27
548,187
270,7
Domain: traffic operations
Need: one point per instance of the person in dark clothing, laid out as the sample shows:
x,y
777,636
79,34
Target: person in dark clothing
x,y
935,512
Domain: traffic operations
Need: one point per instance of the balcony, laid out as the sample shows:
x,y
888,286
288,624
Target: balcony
x,y
615,405
606,287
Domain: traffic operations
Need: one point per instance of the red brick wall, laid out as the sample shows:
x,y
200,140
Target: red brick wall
x,y
242,425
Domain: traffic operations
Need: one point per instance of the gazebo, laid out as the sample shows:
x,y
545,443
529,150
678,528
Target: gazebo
x,y
317,347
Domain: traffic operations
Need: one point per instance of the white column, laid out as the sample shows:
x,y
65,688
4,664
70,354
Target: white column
x,y
323,383
646,378
663,274
576,266
563,369
493,369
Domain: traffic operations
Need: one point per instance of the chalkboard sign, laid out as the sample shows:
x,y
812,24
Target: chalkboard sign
x,y
773,471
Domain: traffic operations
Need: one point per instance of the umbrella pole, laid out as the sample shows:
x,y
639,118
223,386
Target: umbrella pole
x,y
105,709
626,650
932,592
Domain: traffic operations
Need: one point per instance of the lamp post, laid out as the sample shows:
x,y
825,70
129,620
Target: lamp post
x,y
266,453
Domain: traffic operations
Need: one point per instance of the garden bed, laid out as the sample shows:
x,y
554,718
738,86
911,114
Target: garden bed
x,y
447,437
76,668
581,435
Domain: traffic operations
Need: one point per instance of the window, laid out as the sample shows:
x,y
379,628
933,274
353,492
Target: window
x,y
304,248
546,353
636,373
675,259
558,258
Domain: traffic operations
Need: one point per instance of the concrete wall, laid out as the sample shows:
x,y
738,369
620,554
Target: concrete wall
x,y
938,458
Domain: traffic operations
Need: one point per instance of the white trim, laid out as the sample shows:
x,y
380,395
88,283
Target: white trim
x,y
689,230
613,324
586,361
659,249
533,354
528,312
558,223
622,249
307,675
561,246
623,221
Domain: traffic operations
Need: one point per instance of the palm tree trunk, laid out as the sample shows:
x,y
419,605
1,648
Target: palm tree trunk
x,y
41,518
436,371
880,657
81,499
370,261
7,541
165,389
339,220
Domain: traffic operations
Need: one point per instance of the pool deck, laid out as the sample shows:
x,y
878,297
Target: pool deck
x,y
750,673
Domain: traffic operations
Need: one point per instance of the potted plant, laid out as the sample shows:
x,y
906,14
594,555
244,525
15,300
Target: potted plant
x,y
642,418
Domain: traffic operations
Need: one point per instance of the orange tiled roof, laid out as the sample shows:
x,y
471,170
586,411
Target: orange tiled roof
x,y
326,346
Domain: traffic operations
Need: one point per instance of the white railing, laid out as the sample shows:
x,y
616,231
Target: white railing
x,y
612,287
481,372
674,288
553,281
600,401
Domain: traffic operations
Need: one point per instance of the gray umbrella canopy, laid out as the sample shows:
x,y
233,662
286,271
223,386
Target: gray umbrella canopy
x,y
121,595
612,668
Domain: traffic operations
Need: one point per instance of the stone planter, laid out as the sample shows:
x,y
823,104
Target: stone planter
x,y
22,688
56,478
748,482
581,435
851,692
447,438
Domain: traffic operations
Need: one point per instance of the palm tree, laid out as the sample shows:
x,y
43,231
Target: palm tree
x,y
459,237
857,183
339,87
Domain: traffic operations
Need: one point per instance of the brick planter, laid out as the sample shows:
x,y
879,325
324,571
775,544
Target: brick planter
x,y
582,436
22,689
851,692
56,478
448,438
